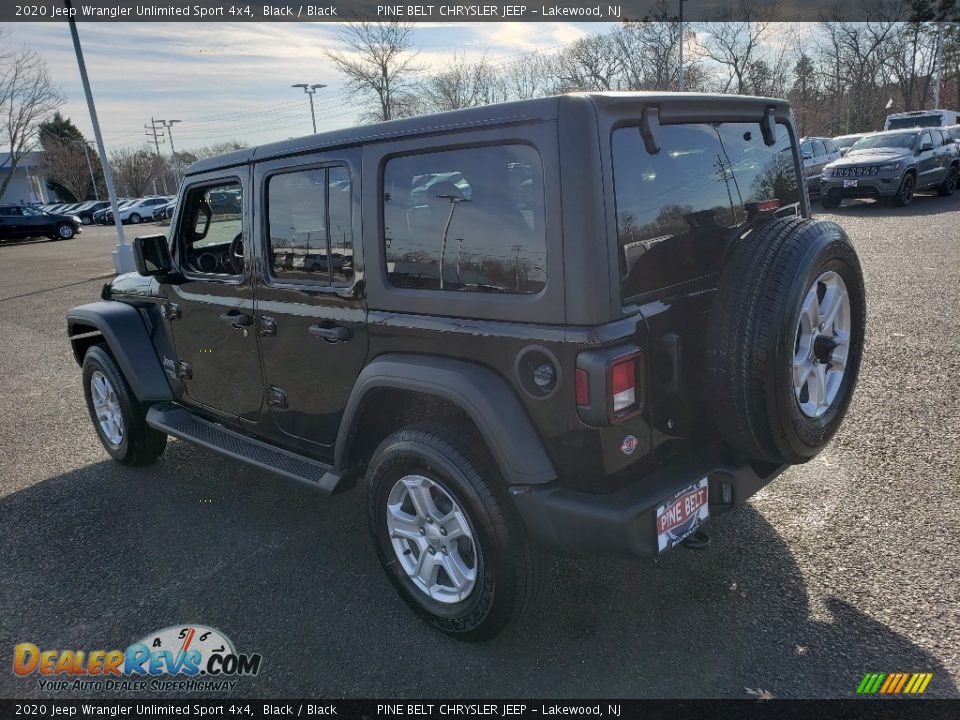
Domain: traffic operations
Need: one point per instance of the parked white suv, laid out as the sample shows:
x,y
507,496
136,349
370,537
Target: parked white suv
x,y
142,209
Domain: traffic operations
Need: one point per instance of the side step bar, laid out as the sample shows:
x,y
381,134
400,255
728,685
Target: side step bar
x,y
181,423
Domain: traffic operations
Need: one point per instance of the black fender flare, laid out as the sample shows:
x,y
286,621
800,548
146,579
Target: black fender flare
x,y
128,338
480,392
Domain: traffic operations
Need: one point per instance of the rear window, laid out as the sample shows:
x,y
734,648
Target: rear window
x,y
914,121
678,209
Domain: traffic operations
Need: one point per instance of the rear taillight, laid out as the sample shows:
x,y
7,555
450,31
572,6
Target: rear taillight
x,y
625,386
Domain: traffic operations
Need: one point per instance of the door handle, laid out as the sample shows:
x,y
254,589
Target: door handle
x,y
337,333
237,320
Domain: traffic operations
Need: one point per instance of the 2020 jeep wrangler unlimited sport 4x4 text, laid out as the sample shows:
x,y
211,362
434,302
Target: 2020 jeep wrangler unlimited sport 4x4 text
x,y
578,324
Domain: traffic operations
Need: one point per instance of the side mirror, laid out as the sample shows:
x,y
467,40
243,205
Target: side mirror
x,y
926,146
152,255
807,156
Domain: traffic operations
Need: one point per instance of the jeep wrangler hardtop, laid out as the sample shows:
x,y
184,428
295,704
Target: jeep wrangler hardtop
x,y
578,324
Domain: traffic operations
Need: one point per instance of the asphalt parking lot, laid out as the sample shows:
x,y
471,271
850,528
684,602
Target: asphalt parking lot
x,y
841,567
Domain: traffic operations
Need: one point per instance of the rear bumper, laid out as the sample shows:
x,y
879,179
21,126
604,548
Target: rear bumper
x,y
624,522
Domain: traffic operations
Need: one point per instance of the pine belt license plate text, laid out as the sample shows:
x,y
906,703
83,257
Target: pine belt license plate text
x,y
681,515
850,183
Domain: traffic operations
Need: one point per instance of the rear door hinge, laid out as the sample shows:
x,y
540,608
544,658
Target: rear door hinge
x,y
171,311
276,397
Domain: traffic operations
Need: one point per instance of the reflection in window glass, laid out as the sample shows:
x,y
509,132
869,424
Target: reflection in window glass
x,y
466,220
310,231
210,223
676,210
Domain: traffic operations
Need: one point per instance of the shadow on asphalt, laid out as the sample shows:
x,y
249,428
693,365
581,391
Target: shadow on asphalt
x,y
98,557
923,205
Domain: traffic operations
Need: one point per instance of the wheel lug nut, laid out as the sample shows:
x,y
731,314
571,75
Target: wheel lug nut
x,y
442,531
422,531
445,551
433,550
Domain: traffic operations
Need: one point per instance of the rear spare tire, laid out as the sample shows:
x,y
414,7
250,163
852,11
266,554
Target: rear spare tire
x,y
785,339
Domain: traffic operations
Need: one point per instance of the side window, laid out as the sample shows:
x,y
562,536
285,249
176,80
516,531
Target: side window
x,y
832,147
11,212
310,231
924,139
467,220
806,149
210,237
818,148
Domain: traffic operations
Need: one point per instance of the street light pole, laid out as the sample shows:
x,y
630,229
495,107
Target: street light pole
x,y
93,180
123,253
311,90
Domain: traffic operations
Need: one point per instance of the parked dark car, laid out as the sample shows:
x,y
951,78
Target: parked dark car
x,y
86,212
506,362
23,221
893,165
816,153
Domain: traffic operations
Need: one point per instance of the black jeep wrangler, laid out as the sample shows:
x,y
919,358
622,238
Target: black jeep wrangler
x,y
577,324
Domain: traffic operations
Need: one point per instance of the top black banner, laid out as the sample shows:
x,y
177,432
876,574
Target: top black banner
x,y
489,11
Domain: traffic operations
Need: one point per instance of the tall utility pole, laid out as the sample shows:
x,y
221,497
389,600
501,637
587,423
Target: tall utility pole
x,y
123,253
680,76
311,90
168,124
157,136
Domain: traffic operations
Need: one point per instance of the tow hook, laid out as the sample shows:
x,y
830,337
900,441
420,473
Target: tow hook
x,y
696,541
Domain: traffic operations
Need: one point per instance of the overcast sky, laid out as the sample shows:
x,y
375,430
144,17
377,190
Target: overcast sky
x,y
228,81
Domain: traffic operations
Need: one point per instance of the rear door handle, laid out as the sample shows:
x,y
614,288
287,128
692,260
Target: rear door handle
x,y
337,333
237,320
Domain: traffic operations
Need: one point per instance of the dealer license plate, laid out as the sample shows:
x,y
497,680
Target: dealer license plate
x,y
681,515
851,183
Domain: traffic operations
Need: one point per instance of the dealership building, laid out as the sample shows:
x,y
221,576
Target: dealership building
x,y
29,184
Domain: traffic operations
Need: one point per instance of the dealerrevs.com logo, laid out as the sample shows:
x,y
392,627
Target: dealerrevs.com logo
x,y
186,658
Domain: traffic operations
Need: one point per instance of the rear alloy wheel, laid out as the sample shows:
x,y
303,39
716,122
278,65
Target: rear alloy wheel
x,y
447,534
949,185
135,219
65,231
905,193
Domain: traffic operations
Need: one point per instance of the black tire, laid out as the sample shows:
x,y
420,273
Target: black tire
x,y
65,231
752,338
830,203
134,218
141,444
86,220
510,569
906,191
949,184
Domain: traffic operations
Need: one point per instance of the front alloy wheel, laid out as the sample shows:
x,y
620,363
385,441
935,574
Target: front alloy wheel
x,y
904,195
65,231
107,409
823,339
135,219
432,539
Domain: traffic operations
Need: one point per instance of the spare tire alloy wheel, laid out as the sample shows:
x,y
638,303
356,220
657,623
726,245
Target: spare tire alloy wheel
x,y
823,339
432,539
785,339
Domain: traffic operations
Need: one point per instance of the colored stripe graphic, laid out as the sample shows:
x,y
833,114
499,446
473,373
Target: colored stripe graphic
x,y
894,683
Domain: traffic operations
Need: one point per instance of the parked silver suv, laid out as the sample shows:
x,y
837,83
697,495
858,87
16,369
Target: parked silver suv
x,y
893,164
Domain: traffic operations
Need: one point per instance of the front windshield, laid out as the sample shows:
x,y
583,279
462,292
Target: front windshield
x,y
905,141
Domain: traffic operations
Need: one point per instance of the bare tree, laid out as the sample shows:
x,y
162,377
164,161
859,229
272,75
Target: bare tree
x,y
66,164
590,63
27,97
136,169
529,76
744,43
462,84
378,66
